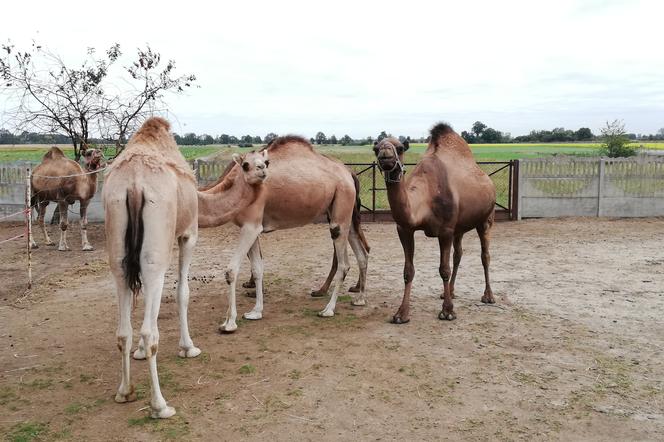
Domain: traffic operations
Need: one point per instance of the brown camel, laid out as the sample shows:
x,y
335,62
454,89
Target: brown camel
x,y
303,185
150,200
446,195
64,181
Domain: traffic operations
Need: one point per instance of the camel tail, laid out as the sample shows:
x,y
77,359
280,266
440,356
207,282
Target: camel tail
x,y
357,218
131,263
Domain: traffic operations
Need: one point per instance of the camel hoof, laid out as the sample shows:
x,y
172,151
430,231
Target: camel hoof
x,y
249,285
399,320
326,313
190,352
50,243
227,328
488,299
318,293
358,302
253,315
122,398
139,354
447,316
87,248
34,246
354,289
164,413
62,249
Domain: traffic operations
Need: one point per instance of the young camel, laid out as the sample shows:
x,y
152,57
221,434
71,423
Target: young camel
x,y
303,185
74,183
150,200
446,195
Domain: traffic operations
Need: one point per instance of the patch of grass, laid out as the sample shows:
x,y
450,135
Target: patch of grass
x,y
86,378
27,431
295,374
296,392
174,428
7,395
74,408
247,369
344,298
39,384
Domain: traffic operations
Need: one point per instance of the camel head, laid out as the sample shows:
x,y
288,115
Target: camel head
x,y
254,166
93,159
389,154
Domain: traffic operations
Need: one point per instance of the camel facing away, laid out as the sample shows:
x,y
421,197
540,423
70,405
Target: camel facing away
x,y
74,183
150,200
446,195
302,186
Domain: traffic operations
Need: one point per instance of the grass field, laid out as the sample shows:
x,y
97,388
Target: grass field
x,y
355,154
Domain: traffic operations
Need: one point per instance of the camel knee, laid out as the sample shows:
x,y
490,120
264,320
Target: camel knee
x,y
444,273
122,342
335,231
151,343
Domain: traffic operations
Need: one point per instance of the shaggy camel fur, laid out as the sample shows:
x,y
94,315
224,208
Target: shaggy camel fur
x,y
74,183
150,200
446,195
303,185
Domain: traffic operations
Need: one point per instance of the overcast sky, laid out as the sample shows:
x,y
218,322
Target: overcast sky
x,y
356,67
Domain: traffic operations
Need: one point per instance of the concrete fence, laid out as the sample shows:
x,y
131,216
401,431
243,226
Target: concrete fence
x,y
13,178
625,187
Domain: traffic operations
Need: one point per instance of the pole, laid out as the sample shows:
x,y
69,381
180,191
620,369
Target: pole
x,y
28,226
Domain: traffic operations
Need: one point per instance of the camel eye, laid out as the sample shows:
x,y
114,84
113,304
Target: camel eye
x,y
245,166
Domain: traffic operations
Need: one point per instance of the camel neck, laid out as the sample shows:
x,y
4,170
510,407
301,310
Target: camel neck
x,y
219,204
399,202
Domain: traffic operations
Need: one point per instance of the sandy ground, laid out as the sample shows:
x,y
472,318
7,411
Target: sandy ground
x,y
572,350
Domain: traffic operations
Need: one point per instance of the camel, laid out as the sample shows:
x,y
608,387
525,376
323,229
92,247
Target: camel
x,y
73,183
150,200
446,195
303,185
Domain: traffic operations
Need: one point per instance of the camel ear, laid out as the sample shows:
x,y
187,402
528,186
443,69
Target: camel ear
x,y
375,143
265,159
406,145
237,158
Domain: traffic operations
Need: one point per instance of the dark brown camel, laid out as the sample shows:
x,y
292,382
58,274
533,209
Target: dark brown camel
x,y
446,195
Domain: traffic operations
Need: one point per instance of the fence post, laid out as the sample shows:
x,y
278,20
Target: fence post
x,y
519,186
28,225
600,187
373,192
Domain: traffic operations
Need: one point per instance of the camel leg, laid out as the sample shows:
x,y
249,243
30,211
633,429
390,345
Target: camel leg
x,y
186,244
484,233
248,235
251,283
340,238
458,253
126,392
322,291
64,206
445,242
407,239
257,273
42,224
362,258
84,226
153,283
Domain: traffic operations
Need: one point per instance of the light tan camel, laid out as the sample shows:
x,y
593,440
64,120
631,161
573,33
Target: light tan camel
x,y
150,200
74,183
446,195
303,185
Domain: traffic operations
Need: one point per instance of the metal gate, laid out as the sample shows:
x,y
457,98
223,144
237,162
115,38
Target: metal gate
x,y
373,193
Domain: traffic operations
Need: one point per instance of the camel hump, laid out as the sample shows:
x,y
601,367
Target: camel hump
x,y
53,153
288,140
440,129
153,129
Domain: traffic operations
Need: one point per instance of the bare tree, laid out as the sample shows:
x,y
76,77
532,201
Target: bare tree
x,y
48,96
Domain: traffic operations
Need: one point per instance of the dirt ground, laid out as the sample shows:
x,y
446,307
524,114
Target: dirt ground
x,y
572,350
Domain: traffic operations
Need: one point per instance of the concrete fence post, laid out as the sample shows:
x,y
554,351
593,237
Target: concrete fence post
x,y
600,187
519,186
